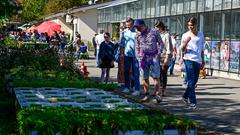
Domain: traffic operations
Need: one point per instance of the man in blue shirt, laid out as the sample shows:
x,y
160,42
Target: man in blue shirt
x,y
130,61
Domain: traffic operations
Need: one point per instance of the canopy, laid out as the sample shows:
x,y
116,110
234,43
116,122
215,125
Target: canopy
x,y
49,27
32,28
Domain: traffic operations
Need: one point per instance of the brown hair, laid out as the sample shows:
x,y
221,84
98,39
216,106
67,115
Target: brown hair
x,y
192,20
160,24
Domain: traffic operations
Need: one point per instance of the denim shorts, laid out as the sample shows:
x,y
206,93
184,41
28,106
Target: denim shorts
x,y
151,69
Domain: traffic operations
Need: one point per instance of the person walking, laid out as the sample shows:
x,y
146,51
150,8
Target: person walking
x,y
99,39
94,44
106,57
173,59
166,54
148,50
130,61
193,49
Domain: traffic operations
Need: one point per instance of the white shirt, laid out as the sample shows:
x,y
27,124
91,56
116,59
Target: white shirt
x,y
194,47
99,39
168,48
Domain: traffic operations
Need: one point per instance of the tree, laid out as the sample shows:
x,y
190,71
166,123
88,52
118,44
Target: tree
x,y
32,9
54,6
6,11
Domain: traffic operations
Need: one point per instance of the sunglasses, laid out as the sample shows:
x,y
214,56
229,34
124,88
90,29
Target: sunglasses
x,y
106,37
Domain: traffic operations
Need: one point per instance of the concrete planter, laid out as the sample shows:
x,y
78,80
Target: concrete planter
x,y
139,132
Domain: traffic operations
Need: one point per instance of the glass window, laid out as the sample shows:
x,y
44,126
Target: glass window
x,y
179,6
207,25
157,8
215,59
179,25
193,6
217,4
168,7
174,7
235,3
227,25
162,7
186,6
139,8
209,5
235,25
143,9
148,9
124,11
227,4
173,24
224,55
200,5
217,23
153,5
234,56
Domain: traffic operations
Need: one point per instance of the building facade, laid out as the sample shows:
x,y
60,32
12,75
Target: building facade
x,y
218,19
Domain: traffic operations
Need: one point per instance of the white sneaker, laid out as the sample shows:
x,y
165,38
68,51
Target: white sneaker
x,y
126,90
192,106
136,93
184,86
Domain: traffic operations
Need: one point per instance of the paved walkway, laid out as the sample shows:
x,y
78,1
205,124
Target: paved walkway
x,y
218,101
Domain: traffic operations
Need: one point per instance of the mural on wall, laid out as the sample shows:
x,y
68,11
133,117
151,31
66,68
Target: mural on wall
x,y
234,56
215,54
207,53
224,55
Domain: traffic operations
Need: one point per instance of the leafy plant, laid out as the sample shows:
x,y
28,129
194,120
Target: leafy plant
x,y
68,121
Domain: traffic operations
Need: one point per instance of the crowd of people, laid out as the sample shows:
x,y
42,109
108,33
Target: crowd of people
x,y
151,52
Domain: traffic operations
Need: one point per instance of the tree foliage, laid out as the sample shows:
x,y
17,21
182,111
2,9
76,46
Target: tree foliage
x,y
32,9
54,6
6,10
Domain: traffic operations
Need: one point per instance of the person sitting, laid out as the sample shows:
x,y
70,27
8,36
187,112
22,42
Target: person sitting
x,y
83,51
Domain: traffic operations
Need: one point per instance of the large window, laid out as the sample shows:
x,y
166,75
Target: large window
x,y
173,24
157,8
193,6
174,7
162,7
180,7
168,7
153,5
208,5
179,25
143,8
227,4
217,4
148,8
186,6
207,25
217,25
226,25
200,4
235,3
139,8
235,25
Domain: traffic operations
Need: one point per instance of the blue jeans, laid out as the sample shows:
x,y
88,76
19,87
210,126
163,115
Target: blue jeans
x,y
171,66
131,62
192,71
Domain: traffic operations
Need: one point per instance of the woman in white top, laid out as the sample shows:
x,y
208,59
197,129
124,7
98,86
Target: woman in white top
x,y
166,54
193,49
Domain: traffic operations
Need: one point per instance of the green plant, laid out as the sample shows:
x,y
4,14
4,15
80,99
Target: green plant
x,y
68,120
10,42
